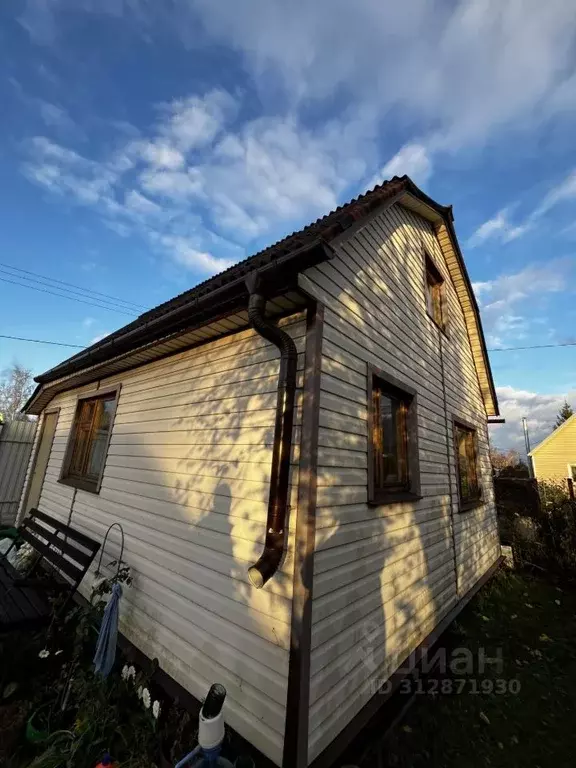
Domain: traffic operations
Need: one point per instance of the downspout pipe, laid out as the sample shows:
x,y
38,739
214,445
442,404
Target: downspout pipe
x,y
275,543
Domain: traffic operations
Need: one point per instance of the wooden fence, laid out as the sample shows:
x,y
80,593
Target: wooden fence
x,y
16,440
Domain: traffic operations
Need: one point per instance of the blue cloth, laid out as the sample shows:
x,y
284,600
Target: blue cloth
x,y
108,635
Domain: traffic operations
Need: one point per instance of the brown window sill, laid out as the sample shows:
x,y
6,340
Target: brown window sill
x,y
394,497
466,506
81,484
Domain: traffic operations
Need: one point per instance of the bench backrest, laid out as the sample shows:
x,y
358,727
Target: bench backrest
x,y
66,550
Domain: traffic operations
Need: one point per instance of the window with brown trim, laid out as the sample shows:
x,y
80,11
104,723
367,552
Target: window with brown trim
x,y
467,462
435,293
393,453
88,444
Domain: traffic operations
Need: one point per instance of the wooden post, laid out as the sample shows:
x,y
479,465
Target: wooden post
x,y
570,488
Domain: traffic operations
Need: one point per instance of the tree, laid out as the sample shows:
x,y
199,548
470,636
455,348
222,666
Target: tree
x,y
16,385
563,414
508,463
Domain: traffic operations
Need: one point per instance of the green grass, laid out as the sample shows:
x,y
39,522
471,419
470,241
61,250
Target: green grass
x,y
533,622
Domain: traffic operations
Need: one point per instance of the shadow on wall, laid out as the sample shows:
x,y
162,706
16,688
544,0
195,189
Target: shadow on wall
x,y
384,576
192,494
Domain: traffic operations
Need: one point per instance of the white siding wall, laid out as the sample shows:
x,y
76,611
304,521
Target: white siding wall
x,y
384,576
187,475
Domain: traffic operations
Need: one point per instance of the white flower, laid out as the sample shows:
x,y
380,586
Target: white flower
x,y
146,698
125,672
98,581
131,674
44,654
156,709
139,692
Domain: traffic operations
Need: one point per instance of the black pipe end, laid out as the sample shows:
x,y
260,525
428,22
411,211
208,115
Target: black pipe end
x,y
265,567
214,701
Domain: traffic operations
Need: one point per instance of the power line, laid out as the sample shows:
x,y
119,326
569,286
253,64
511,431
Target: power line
x,y
72,285
494,349
64,296
534,346
43,341
67,292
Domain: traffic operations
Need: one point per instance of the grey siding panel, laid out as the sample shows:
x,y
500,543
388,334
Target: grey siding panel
x,y
16,443
385,576
188,476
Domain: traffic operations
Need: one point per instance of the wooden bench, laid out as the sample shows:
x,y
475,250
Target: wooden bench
x,y
63,555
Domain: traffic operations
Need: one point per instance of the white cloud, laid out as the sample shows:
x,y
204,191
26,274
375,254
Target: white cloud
x,y
540,411
498,228
64,171
507,303
274,171
139,204
55,116
125,210
99,337
463,70
160,154
413,160
191,257
566,190
195,122
466,68
259,179
88,322
177,185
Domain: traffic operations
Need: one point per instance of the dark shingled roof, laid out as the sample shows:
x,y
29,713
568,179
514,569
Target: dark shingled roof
x,y
279,265
323,229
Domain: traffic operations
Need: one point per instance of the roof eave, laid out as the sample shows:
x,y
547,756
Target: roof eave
x,y
277,274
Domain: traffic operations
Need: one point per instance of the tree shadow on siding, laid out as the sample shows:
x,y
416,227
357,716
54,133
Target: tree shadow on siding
x,y
386,575
214,472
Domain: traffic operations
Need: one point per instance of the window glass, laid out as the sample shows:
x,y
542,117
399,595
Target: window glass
x,y
390,439
86,455
434,293
465,438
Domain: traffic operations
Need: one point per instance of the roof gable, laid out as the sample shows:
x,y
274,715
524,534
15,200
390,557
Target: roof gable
x,y
553,435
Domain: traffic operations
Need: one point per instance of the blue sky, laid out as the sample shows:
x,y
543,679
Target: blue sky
x,y
145,146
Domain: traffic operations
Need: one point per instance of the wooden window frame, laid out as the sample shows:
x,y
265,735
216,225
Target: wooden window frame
x,y
465,506
380,496
82,483
430,268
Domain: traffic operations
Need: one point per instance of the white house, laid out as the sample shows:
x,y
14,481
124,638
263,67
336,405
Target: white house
x,y
297,451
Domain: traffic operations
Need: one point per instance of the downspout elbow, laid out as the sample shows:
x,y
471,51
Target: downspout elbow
x,y
268,562
275,542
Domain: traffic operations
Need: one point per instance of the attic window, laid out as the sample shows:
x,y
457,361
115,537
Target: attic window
x,y
88,442
434,293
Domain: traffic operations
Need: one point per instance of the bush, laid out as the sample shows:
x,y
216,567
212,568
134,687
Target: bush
x,y
538,520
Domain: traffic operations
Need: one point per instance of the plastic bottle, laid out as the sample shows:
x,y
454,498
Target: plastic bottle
x,y
106,762
211,733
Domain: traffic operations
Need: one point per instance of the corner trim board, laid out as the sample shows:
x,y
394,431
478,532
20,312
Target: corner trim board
x,y
298,695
